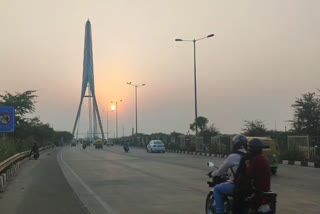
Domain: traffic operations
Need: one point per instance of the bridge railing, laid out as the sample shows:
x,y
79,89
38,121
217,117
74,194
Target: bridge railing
x,y
9,166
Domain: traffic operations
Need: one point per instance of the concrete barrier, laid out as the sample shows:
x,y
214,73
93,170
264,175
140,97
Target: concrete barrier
x,y
4,176
297,163
311,164
1,183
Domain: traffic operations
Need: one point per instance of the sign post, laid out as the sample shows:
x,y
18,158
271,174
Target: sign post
x,y
7,119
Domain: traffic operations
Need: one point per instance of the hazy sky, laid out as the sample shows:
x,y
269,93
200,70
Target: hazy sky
x,y
265,53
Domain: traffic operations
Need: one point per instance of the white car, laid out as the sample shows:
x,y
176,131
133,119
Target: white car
x,y
156,146
109,143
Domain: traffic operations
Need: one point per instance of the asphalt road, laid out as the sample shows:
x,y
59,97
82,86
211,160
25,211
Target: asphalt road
x,y
141,182
113,182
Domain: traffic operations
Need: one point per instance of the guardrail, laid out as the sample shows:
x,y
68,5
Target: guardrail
x,y
9,166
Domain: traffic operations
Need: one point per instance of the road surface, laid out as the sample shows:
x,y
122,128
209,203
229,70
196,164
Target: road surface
x,y
114,182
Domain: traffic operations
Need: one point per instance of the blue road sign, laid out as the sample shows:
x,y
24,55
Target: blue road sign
x,y
7,119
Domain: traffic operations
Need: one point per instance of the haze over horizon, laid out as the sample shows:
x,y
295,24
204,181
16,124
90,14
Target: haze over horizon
x,y
264,54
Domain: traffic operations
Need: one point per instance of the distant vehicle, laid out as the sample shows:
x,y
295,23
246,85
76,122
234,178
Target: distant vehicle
x,y
109,143
271,152
98,144
126,148
156,146
36,155
73,144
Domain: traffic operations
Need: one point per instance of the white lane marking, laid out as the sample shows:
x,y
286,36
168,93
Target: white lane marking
x,y
106,206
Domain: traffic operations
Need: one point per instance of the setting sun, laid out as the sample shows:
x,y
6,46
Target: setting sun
x,y
113,107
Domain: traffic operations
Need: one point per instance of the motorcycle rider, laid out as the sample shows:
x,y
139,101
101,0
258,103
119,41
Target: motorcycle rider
x,y
34,149
126,145
239,145
258,169
84,145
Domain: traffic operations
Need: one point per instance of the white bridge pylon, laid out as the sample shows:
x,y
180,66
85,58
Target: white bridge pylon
x,y
88,85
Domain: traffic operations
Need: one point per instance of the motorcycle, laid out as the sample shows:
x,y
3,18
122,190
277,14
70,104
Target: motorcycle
x,y
84,146
126,148
266,204
36,155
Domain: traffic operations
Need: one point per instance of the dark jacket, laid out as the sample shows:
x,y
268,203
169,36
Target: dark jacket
x,y
259,171
35,148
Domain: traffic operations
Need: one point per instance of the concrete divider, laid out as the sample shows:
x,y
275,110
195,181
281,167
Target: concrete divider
x,y
285,162
311,164
297,163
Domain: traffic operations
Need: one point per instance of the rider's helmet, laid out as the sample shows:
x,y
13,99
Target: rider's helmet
x,y
239,142
255,146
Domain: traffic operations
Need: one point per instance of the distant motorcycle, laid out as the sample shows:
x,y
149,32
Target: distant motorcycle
x,y
36,155
84,146
266,203
126,148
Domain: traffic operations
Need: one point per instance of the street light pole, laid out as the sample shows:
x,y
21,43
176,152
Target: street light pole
x,y
195,75
195,85
107,126
136,92
136,95
116,120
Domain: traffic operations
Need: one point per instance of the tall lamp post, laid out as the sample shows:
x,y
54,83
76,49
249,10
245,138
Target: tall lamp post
x,y
195,73
136,94
116,108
